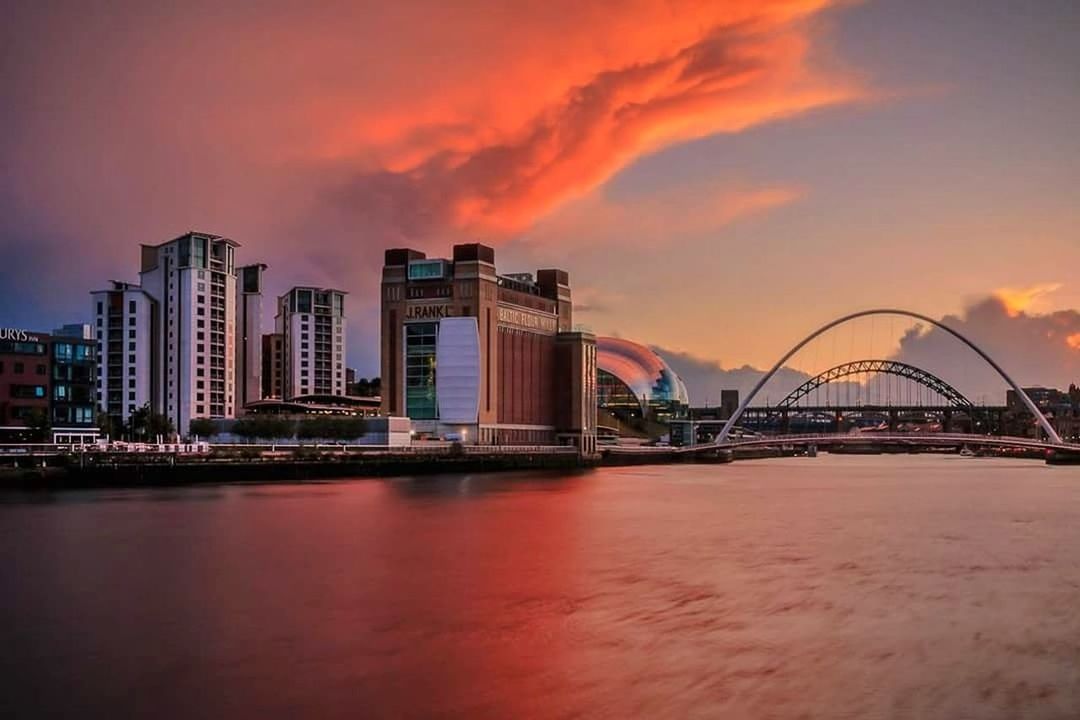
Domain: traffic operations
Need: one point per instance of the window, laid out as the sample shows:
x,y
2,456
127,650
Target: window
x,y
131,334
131,321
131,396
200,335
41,370
131,359
200,409
200,311
99,322
132,307
420,339
201,323
131,371
28,392
131,347
201,299
100,307
200,384
200,372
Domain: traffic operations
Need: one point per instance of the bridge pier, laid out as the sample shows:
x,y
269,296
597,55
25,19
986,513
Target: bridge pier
x,y
892,420
947,423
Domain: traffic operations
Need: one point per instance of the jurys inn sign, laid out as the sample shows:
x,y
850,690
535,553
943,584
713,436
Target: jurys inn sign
x,y
17,335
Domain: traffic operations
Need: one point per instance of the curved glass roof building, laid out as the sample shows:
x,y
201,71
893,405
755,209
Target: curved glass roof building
x,y
630,374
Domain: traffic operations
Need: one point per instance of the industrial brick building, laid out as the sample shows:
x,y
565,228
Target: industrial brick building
x,y
485,358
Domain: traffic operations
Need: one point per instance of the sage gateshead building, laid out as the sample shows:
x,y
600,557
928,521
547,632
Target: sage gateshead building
x,y
484,358
633,381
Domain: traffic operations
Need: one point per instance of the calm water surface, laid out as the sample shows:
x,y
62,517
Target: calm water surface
x,y
873,587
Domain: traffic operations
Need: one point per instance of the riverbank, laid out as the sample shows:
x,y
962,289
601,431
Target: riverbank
x,y
105,471
223,465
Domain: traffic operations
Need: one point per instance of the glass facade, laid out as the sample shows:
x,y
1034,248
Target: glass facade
x,y
427,269
420,401
630,375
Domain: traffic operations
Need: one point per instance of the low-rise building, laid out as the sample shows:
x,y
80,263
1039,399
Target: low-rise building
x,y
47,387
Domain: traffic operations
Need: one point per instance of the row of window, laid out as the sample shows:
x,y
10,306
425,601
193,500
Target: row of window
x,y
18,368
132,308
28,392
11,347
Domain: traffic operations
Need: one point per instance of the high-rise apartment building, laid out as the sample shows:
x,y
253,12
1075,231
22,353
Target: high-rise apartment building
x,y
171,341
249,339
193,279
311,322
125,325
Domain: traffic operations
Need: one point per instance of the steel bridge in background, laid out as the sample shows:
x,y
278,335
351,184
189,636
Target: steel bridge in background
x,y
931,382
954,399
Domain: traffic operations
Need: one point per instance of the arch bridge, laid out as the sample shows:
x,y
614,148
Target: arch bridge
x,y
722,438
947,392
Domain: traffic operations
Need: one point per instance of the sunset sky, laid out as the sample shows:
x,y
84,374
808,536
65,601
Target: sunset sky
x,y
718,177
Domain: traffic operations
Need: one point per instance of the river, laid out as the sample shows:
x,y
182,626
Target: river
x,y
835,587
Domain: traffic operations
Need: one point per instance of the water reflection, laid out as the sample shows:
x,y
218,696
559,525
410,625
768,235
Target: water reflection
x,y
834,587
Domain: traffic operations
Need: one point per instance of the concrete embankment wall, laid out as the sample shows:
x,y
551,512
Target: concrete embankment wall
x,y
144,472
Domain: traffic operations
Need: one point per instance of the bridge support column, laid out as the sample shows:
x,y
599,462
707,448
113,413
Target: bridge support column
x,y
838,421
946,424
892,420
785,423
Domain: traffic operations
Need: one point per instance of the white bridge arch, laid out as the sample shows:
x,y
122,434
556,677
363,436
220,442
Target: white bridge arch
x,y
1032,408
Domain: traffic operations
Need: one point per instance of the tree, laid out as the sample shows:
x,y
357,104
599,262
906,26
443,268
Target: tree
x,y
331,428
109,425
365,388
145,424
203,427
37,422
263,428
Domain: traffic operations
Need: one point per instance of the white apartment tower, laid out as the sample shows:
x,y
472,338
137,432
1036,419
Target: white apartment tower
x,y
125,327
311,322
193,279
249,341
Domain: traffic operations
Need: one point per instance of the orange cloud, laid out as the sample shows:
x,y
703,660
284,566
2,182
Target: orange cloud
x,y
535,128
1018,300
1073,341
654,220
371,123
